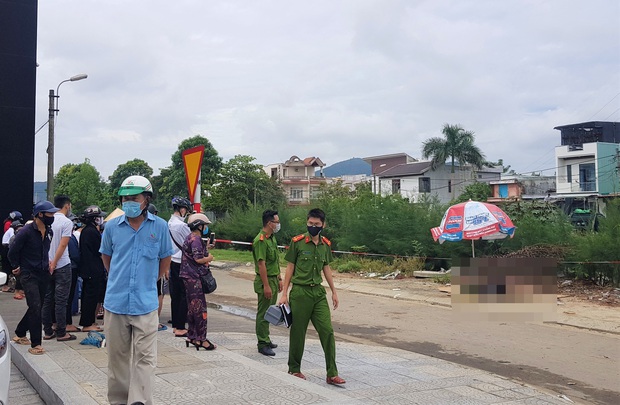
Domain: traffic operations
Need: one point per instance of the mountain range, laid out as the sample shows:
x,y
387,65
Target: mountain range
x,y
347,167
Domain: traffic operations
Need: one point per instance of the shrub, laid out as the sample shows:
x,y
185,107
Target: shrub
x,y
350,266
408,265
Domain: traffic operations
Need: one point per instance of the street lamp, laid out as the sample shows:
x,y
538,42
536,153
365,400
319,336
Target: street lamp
x,y
53,110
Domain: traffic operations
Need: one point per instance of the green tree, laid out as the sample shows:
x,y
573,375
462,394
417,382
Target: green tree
x,y
477,191
84,185
500,162
243,184
132,168
457,144
172,178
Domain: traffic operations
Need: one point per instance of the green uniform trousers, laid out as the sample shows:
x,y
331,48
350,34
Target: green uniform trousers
x,y
262,326
310,304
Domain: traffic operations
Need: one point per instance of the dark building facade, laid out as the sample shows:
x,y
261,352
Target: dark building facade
x,y
18,52
575,135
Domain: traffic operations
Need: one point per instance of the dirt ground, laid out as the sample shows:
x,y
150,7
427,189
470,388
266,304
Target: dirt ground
x,y
580,303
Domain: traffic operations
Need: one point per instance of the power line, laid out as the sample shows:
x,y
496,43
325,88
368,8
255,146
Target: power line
x,y
605,119
612,99
41,127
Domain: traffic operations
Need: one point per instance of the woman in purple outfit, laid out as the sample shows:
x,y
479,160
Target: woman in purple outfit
x,y
194,262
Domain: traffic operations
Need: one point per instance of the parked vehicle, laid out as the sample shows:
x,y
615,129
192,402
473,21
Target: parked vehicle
x,y
5,355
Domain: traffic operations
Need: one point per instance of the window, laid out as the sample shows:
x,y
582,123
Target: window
x,y
569,174
297,194
587,179
315,192
449,186
425,185
396,186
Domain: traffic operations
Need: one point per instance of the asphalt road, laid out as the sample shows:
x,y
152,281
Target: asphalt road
x,y
581,364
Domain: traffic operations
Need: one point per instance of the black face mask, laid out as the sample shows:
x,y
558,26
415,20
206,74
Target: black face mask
x,y
314,230
48,221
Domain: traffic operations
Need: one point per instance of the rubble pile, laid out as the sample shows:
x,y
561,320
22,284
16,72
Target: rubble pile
x,y
586,290
552,251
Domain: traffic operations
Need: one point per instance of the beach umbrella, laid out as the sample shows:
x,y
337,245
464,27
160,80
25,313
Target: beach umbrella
x,y
473,220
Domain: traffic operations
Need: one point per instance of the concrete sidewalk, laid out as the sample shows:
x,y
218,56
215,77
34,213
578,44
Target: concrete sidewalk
x,y
70,373
236,374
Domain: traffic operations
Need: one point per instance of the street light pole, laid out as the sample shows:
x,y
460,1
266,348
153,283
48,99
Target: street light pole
x,y
53,111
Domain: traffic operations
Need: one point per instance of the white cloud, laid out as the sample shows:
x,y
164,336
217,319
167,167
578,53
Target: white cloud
x,y
357,78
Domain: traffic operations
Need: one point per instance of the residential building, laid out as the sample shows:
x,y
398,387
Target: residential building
x,y
588,159
417,179
300,178
521,187
382,163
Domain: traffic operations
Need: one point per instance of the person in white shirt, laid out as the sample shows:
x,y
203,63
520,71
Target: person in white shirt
x,y
57,295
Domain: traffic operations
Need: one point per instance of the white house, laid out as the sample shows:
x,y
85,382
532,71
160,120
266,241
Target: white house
x,y
413,180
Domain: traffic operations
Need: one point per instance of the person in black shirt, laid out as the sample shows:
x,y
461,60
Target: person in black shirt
x,y
29,254
91,268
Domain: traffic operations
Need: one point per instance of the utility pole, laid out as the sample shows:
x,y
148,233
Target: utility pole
x,y
53,110
50,146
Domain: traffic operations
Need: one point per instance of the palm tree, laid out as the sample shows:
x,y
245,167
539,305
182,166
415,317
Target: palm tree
x,y
457,144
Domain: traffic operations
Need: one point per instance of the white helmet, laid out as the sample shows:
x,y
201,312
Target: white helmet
x,y
195,220
134,185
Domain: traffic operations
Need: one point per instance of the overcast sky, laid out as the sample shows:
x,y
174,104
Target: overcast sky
x,y
333,79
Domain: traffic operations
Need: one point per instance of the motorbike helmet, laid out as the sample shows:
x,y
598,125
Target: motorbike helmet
x,y
93,211
134,185
181,202
196,220
15,215
152,209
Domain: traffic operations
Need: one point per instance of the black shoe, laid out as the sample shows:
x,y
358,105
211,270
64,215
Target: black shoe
x,y
266,350
272,345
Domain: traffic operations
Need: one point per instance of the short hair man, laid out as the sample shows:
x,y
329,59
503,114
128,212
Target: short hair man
x,y
308,255
57,296
179,231
267,282
29,256
135,249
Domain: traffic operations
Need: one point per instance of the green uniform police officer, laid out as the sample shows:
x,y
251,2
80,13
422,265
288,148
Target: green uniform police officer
x,y
267,282
308,255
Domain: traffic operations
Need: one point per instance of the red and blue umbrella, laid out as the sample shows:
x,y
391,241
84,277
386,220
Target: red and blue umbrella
x,y
473,220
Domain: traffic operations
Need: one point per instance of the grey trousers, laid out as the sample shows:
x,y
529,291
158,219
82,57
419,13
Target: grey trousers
x,y
56,301
131,341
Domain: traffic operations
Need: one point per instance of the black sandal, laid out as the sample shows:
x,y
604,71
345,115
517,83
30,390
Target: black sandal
x,y
200,344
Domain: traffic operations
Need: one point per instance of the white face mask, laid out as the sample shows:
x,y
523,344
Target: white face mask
x,y
277,228
98,220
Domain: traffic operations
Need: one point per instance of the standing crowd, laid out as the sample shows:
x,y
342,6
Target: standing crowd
x,y
57,257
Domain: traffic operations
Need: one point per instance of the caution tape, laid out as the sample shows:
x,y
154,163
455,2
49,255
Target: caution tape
x,y
343,252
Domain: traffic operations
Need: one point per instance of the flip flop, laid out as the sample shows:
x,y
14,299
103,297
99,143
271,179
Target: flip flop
x,y
161,327
18,297
73,329
66,339
36,350
50,337
21,340
91,330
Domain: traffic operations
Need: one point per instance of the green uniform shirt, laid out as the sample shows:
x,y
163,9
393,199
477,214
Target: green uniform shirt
x,y
308,258
266,248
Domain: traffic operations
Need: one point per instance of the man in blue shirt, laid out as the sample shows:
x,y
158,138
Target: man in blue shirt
x,y
136,250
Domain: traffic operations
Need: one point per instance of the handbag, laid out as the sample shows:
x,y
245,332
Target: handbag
x,y
208,282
